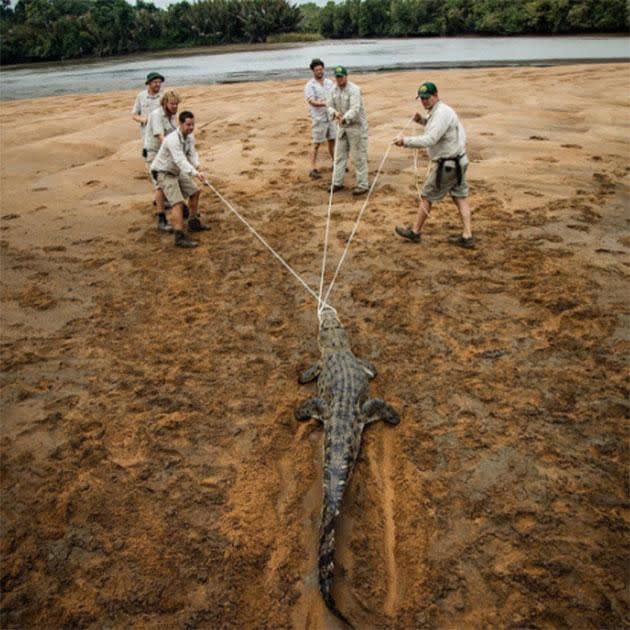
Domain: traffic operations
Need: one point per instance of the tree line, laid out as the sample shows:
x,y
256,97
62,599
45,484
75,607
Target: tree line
x,y
45,30
38,30
408,18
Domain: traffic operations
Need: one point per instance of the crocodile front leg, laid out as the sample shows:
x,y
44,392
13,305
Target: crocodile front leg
x,y
377,409
312,408
368,368
310,375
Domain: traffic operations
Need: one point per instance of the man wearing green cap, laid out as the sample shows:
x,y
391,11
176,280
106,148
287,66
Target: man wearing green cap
x,y
147,100
445,140
345,105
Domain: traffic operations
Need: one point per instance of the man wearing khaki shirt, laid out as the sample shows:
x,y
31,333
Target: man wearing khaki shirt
x,y
445,140
345,105
147,101
174,166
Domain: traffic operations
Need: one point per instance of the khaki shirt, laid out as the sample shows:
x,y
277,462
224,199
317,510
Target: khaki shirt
x,y
349,103
145,103
177,155
444,135
159,124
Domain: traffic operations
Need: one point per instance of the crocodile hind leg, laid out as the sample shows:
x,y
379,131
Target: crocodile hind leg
x,y
312,408
368,368
377,409
310,375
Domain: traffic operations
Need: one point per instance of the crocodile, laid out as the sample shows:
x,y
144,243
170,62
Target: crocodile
x,y
344,408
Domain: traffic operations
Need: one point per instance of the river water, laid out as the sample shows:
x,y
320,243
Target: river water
x,y
292,62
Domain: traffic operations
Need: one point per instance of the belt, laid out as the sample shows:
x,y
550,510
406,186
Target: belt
x,y
440,168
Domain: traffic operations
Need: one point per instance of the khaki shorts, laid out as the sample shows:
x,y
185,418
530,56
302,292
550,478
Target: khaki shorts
x,y
449,185
323,130
176,189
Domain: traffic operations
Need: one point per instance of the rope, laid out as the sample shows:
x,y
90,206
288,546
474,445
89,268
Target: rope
x,y
264,242
360,215
327,229
322,305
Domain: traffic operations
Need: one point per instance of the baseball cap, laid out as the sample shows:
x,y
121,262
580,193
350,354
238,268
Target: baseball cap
x,y
340,71
154,75
427,89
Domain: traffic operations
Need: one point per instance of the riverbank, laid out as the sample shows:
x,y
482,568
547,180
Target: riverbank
x,y
152,472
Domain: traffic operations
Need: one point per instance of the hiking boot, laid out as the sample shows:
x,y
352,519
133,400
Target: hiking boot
x,y
337,187
461,241
408,233
195,225
315,174
359,191
182,241
163,224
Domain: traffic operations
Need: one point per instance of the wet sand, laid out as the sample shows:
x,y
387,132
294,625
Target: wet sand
x,y
153,474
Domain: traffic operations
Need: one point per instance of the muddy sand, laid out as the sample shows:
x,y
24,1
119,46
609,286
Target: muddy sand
x,y
153,475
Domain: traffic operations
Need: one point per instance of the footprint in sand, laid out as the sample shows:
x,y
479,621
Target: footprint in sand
x,y
93,182
10,217
614,252
596,158
538,138
571,146
40,188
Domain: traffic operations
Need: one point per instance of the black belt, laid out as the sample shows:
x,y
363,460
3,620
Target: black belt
x,y
440,168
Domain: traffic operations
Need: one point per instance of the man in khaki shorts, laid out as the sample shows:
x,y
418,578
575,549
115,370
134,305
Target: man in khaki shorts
x,y
445,140
174,166
316,92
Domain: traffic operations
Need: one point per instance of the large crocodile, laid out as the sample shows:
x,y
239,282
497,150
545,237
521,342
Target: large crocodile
x,y
343,406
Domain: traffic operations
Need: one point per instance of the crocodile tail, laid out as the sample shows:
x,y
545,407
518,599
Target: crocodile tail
x,y
327,561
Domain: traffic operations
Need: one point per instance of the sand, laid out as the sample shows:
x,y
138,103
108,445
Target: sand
x,y
153,475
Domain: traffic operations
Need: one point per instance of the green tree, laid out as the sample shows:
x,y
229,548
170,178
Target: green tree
x,y
373,18
327,20
260,18
310,18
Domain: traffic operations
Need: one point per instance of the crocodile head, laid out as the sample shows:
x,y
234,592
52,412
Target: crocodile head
x,y
332,336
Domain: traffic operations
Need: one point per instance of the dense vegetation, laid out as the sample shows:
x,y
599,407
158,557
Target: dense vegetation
x,y
405,18
59,29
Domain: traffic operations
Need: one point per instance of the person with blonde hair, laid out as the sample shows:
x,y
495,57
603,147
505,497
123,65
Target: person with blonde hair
x,y
161,122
